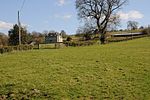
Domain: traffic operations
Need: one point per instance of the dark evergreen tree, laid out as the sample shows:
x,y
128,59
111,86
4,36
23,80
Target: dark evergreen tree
x,y
14,35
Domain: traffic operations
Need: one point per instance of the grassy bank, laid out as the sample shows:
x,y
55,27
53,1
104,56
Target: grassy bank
x,y
119,71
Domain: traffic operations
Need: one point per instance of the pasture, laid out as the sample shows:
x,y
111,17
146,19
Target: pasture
x,y
116,71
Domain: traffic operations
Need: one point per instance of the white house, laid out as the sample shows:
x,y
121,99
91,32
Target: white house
x,y
54,38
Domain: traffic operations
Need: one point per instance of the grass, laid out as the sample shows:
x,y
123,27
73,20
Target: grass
x,y
117,71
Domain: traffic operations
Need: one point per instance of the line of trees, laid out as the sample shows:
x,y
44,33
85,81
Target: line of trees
x,y
26,37
100,16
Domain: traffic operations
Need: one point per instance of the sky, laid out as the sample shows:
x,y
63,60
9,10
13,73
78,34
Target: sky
x,y
41,15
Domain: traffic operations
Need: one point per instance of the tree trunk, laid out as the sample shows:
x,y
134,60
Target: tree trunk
x,y
102,32
103,38
38,46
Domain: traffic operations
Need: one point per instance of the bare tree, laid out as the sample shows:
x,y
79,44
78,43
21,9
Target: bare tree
x,y
132,25
3,39
99,10
114,23
88,27
86,31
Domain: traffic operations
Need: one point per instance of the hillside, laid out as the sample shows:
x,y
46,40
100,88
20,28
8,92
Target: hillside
x,y
117,71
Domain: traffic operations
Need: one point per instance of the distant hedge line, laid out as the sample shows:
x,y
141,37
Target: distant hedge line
x,y
119,39
79,43
17,48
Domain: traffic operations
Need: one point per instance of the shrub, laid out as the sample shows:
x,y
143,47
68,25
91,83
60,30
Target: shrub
x,y
87,36
69,38
1,50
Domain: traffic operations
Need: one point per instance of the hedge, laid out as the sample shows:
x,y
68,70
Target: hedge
x,y
17,48
79,43
119,39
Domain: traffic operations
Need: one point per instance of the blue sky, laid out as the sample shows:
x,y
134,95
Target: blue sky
x,y
40,15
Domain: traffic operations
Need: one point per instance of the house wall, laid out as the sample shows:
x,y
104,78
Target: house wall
x,y
50,39
59,38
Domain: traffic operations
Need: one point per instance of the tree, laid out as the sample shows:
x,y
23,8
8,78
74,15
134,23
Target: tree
x,y
101,11
146,30
38,37
132,25
3,39
86,31
45,32
141,27
114,23
14,35
64,34
88,27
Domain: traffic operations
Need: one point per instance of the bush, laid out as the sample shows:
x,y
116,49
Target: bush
x,y
69,38
1,50
87,36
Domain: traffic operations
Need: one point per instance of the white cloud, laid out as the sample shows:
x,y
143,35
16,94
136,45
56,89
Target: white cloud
x,y
67,16
130,15
61,2
64,17
5,25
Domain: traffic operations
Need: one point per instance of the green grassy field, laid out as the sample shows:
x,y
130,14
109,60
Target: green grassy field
x,y
117,71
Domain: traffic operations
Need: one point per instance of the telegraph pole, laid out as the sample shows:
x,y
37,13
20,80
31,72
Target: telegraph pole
x,y
19,25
